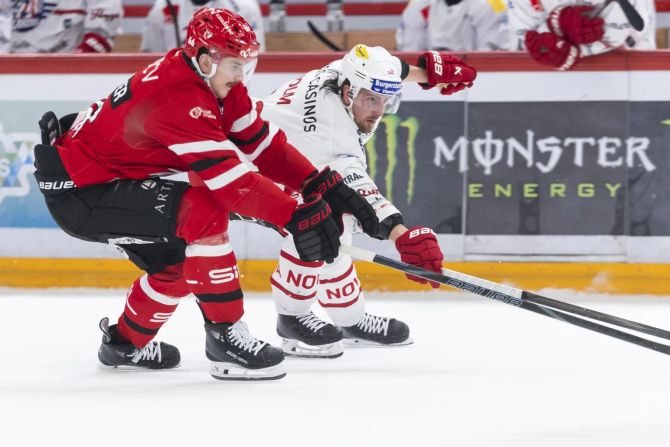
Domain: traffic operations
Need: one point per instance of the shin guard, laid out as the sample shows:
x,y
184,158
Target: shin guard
x,y
340,292
150,303
294,282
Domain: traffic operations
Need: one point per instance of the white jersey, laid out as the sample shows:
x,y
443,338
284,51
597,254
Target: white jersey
x,y
159,34
317,124
471,25
5,24
58,26
526,15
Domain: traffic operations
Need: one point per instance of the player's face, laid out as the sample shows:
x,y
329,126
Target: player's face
x,y
229,71
367,108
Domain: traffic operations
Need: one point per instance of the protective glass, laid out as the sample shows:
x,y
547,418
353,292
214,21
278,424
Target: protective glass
x,y
376,102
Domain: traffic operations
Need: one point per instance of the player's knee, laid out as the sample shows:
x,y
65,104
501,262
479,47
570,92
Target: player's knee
x,y
201,218
170,281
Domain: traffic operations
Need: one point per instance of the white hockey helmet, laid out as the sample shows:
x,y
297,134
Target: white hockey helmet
x,y
373,69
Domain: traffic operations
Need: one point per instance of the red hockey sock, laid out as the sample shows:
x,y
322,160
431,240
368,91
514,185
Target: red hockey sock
x,y
150,303
211,274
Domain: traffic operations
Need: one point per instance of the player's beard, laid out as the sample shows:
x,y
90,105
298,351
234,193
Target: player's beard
x,y
369,123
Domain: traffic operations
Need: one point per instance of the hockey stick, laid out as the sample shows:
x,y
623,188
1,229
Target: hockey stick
x,y
633,17
322,37
525,300
262,223
175,21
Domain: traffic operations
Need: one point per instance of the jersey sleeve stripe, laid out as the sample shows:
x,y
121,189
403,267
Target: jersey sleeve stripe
x,y
201,146
253,139
227,177
209,251
207,163
156,296
242,123
264,144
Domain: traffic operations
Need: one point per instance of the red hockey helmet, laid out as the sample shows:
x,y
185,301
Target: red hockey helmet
x,y
222,33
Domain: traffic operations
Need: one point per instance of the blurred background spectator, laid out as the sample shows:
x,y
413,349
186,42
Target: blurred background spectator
x,y
558,33
455,25
63,26
167,18
5,24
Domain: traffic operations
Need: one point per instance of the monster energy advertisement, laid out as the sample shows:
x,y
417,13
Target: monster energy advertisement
x,y
561,168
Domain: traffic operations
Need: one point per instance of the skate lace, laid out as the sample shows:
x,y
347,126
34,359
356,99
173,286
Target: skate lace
x,y
311,321
238,335
373,324
149,352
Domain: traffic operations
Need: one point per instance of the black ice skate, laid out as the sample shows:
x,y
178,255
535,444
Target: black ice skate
x,y
308,336
377,331
236,355
117,352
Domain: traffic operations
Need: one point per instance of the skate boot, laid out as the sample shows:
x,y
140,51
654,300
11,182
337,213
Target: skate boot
x,y
116,351
308,336
377,331
236,355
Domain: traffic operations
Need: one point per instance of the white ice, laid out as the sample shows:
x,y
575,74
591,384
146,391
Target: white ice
x,y
479,374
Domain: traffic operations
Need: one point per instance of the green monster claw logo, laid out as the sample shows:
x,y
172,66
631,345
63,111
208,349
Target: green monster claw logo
x,y
392,124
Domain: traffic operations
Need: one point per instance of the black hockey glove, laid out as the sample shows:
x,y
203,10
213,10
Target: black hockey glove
x,y
315,233
342,199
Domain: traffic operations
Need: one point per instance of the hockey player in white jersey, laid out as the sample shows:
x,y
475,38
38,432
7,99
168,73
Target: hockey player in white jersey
x,y
64,26
328,115
455,25
558,33
166,17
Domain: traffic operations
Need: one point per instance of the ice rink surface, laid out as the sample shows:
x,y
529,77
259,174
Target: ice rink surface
x,y
479,374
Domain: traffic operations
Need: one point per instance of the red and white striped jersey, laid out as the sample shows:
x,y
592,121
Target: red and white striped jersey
x,y
165,119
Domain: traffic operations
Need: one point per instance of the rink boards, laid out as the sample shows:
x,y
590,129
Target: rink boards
x,y
529,165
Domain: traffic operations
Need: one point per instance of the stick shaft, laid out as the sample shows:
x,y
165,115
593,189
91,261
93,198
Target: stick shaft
x,y
525,300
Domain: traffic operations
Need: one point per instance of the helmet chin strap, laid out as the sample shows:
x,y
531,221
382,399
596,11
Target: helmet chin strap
x,y
208,76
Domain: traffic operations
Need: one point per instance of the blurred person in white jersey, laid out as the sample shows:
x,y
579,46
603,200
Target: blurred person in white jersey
x,y
455,25
5,25
558,33
64,26
169,17
328,115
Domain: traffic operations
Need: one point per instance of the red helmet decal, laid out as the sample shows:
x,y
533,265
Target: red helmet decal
x,y
220,31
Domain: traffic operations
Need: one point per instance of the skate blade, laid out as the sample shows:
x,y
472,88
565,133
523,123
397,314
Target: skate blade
x,y
361,343
295,348
131,368
231,371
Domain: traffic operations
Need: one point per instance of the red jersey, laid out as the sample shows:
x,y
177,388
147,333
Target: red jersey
x,y
165,119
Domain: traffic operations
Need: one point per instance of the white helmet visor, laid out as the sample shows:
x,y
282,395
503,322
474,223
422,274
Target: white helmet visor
x,y
377,102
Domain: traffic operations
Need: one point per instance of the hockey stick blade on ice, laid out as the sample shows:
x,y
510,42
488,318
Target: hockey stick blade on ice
x,y
526,300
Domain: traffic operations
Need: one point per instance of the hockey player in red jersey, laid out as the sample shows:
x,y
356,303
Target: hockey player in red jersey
x,y
188,111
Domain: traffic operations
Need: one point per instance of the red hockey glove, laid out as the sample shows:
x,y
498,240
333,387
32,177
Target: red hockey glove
x,y
418,246
575,24
94,43
447,72
549,49
315,233
342,199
